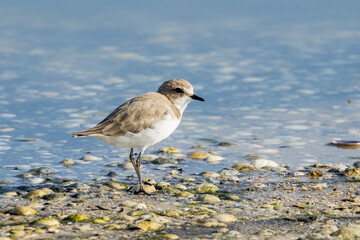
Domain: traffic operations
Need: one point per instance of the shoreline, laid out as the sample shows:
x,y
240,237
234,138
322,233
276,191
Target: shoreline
x,y
239,202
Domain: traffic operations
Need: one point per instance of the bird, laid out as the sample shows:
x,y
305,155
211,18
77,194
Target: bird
x,y
144,120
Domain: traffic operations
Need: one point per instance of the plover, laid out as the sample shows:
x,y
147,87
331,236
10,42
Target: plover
x,y
145,120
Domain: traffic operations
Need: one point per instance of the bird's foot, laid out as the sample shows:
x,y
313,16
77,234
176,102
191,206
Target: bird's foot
x,y
140,190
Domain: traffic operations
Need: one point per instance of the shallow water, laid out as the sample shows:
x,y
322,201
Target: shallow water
x,y
279,72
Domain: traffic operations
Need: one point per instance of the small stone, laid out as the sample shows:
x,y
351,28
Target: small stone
x,y
169,150
180,186
172,213
347,233
147,188
213,159
54,197
318,186
228,172
186,194
356,164
23,211
161,185
149,157
233,197
198,155
199,146
40,171
189,179
36,180
77,217
174,172
39,193
90,158
226,144
225,218
116,185
208,198
139,206
148,226
68,162
162,160
11,194
352,172
210,175
128,166
213,223
171,236
99,221
207,188
47,221
35,205
328,229
253,156
244,167
117,226
128,203
314,173
262,163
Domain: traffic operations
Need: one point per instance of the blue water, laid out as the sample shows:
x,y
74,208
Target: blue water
x,y
278,71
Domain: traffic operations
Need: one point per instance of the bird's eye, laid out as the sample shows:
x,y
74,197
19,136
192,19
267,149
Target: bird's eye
x,y
178,90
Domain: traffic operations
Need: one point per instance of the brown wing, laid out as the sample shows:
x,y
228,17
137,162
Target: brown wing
x,y
133,116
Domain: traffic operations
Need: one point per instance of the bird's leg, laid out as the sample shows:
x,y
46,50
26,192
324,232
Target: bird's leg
x,y
137,164
138,172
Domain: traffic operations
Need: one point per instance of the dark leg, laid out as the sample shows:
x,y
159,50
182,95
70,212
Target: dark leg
x,y
137,166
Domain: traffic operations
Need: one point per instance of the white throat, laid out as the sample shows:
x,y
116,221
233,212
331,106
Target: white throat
x,y
181,103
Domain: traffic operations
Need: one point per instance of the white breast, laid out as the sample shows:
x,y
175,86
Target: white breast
x,y
159,131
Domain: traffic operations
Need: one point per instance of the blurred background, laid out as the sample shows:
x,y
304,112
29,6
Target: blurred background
x,y
280,78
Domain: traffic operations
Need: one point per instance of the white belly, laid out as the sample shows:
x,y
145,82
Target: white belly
x,y
144,138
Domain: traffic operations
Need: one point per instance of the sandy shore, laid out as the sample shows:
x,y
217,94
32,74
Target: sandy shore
x,y
239,202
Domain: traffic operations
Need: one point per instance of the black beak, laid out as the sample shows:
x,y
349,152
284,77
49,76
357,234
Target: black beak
x,y
197,98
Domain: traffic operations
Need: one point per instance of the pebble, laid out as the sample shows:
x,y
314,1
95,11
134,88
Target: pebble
x,y
169,150
116,185
139,206
347,233
23,211
207,188
35,180
208,198
198,155
47,221
171,236
149,157
314,173
128,166
68,162
162,184
40,171
11,194
148,226
90,158
262,163
213,159
253,157
39,193
210,175
162,160
225,218
228,172
352,172
226,144
77,217
244,167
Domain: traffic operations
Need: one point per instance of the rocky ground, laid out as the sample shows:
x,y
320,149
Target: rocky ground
x,y
261,200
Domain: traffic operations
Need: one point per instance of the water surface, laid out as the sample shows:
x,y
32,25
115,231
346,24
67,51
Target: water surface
x,y
280,72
